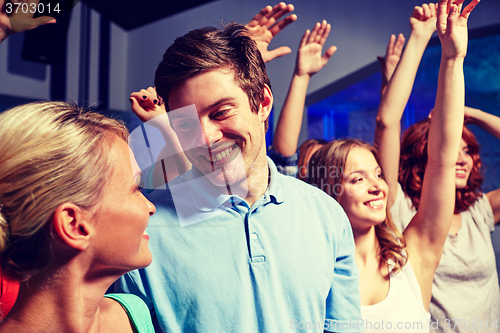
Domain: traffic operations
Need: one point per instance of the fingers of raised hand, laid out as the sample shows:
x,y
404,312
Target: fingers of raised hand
x,y
276,13
260,16
429,10
468,9
328,54
314,33
146,97
398,45
418,12
325,34
390,45
270,15
319,33
433,8
305,37
280,25
317,37
41,21
442,15
426,10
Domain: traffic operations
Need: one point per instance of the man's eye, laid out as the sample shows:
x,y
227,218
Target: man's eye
x,y
218,114
184,126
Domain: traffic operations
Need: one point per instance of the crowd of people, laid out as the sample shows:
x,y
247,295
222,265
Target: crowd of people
x,y
339,236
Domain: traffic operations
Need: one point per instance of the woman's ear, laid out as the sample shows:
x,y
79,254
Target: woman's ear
x,y
267,104
72,225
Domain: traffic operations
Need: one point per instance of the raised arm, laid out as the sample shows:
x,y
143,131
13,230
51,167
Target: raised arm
x,y
390,61
266,24
487,121
428,230
491,124
13,19
309,61
393,102
171,161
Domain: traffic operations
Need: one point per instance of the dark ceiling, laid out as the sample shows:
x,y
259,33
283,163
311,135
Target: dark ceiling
x,y
131,14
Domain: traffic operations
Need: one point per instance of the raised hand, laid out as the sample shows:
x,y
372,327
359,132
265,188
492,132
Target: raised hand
x,y
389,63
423,18
13,19
266,24
147,106
309,58
452,27
309,62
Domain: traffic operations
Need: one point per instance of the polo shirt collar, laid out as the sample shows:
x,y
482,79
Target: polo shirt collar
x,y
207,197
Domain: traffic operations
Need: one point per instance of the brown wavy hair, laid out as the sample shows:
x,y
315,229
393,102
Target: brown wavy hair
x,y
325,171
304,149
413,161
206,49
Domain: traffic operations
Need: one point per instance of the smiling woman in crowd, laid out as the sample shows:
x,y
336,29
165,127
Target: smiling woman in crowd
x,y
72,220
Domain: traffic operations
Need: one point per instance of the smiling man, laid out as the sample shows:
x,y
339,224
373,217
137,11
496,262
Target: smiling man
x,y
237,246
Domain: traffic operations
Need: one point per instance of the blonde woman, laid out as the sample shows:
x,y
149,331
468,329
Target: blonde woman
x,y
72,220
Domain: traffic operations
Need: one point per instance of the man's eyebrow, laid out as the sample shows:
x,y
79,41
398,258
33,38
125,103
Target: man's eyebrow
x,y
225,100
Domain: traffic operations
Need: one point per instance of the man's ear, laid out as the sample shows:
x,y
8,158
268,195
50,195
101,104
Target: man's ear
x,y
72,225
267,104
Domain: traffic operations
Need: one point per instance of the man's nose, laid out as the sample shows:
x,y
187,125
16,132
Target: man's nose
x,y
211,132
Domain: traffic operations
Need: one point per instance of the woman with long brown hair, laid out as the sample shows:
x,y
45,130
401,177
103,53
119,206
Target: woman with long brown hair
x,y
465,283
396,272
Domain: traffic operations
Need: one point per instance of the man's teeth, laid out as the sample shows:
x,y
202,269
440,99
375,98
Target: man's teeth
x,y
375,203
221,155
462,172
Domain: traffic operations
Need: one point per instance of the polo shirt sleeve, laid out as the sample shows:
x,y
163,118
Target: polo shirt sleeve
x,y
343,312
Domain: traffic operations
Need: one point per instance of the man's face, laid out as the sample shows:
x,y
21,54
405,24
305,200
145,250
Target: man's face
x,y
220,135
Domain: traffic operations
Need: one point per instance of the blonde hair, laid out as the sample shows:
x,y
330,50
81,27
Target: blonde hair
x,y
326,171
50,153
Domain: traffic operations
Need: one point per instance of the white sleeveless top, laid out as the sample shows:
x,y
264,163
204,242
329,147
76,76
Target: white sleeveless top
x,y
465,292
402,310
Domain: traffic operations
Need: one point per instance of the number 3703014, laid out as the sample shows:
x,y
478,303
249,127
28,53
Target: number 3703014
x,y
32,8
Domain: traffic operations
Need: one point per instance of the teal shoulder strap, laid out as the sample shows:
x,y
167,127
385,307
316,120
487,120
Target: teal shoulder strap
x,y
137,311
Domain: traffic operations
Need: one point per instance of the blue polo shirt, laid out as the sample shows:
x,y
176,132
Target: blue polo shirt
x,y
285,264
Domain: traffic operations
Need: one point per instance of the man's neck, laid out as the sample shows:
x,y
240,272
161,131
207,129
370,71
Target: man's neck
x,y
258,182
